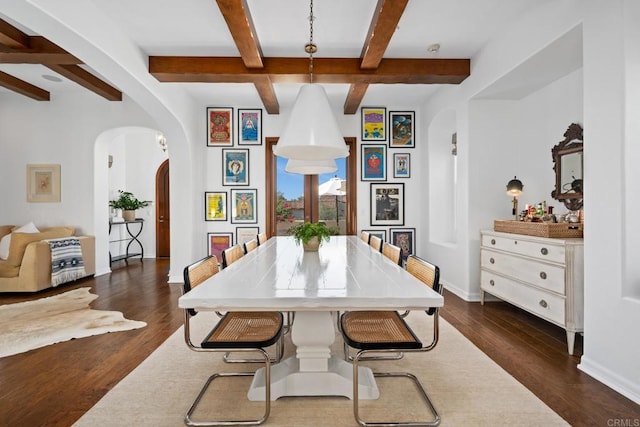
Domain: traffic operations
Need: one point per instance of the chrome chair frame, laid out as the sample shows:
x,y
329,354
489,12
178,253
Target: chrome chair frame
x,y
208,347
415,346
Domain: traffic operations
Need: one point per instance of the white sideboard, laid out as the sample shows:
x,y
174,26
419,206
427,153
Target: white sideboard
x,y
544,276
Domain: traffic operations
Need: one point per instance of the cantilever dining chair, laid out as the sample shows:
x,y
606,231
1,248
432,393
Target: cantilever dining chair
x,y
231,255
250,245
235,331
262,237
375,242
392,252
387,332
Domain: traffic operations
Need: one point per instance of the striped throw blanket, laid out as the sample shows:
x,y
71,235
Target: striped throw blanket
x,y
66,260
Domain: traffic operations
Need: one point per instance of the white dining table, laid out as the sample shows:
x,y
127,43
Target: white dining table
x,y
346,274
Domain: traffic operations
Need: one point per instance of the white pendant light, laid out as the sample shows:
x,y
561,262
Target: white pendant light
x,y
311,167
311,132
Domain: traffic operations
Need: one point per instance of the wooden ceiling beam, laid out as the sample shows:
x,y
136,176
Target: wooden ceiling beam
x,y
384,23
41,51
267,94
354,97
295,70
20,86
12,37
236,14
88,81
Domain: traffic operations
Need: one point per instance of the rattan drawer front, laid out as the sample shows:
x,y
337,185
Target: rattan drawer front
x,y
544,304
544,275
541,250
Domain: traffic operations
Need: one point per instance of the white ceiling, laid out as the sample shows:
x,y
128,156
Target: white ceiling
x,y
196,27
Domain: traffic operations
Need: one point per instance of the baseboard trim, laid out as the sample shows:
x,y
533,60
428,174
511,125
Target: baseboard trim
x,y
610,379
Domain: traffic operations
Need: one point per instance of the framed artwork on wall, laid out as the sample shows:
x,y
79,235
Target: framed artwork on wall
x,y
244,234
215,206
387,204
401,165
43,183
244,206
373,162
217,243
250,126
382,234
235,166
374,126
403,129
405,239
219,127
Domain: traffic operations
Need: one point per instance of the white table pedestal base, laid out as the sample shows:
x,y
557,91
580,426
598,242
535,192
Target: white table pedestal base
x,y
313,371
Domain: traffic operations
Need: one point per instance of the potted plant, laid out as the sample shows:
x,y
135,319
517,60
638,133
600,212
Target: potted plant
x,y
129,204
311,234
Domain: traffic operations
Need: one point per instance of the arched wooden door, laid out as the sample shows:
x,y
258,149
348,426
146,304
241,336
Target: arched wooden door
x,y
163,217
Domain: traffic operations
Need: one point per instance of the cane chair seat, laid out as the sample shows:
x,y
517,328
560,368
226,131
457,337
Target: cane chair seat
x,y
231,255
235,331
375,242
381,332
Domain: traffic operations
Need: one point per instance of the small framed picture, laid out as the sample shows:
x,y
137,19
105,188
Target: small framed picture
x,y
250,126
405,239
373,160
382,234
235,166
217,243
43,183
215,206
401,165
374,126
403,129
387,204
244,206
244,234
219,127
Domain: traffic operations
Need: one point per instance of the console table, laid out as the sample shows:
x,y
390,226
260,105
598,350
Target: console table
x,y
131,238
542,275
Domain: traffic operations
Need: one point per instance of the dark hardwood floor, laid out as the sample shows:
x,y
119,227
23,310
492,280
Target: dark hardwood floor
x,y
55,385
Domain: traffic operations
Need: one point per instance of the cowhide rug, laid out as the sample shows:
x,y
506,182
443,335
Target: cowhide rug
x,y
33,324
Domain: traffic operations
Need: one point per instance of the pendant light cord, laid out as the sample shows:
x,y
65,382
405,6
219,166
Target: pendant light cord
x,y
311,48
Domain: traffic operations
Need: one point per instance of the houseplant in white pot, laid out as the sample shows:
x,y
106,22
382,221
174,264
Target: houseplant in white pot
x,y
129,204
311,234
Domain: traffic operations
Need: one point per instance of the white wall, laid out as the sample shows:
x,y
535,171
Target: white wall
x,y
612,313
61,132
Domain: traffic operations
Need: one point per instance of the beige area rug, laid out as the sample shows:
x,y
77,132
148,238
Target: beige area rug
x,y
467,387
34,324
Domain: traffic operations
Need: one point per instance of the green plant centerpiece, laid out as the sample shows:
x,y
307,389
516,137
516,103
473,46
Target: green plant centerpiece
x,y
129,204
311,234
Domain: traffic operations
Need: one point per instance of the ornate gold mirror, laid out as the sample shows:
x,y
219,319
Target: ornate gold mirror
x,y
568,166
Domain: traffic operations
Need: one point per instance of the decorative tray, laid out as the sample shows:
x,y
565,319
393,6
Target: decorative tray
x,y
540,229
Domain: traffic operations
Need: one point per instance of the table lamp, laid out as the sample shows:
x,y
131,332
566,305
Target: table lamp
x,y
514,188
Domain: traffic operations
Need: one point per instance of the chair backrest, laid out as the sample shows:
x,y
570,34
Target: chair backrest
x,y
364,235
231,255
428,273
262,237
250,245
392,252
375,242
198,272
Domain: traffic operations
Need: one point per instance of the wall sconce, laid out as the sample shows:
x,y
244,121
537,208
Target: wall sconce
x,y
110,161
162,141
514,188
